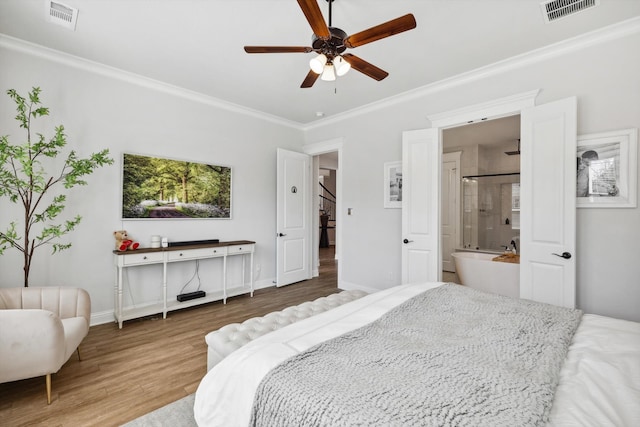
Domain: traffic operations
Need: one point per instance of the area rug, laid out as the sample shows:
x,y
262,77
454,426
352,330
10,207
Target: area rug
x,y
176,414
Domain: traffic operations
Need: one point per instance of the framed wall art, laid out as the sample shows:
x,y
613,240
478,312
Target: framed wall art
x,y
607,174
393,184
160,188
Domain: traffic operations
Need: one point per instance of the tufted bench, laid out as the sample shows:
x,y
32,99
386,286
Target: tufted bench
x,y
231,337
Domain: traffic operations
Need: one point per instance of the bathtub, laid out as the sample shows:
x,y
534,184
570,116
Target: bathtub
x,y
476,270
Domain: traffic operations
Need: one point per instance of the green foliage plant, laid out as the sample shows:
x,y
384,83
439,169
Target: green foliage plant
x,y
24,180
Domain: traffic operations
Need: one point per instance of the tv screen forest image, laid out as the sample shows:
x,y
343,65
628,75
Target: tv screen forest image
x,y
164,188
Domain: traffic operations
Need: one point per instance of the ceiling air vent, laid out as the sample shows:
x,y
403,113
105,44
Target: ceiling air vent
x,y
555,9
61,14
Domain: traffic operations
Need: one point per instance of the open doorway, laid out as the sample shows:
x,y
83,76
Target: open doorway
x,y
330,149
480,174
327,166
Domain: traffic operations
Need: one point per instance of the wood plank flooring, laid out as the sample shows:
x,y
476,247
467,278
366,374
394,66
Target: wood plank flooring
x,y
125,373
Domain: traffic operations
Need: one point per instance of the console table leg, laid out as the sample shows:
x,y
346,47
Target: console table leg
x,y
251,274
119,299
224,279
243,270
164,290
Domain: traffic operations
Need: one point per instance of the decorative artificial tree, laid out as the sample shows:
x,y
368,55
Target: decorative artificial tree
x,y
24,180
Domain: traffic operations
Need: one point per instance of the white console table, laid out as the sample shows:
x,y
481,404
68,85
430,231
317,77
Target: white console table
x,y
165,256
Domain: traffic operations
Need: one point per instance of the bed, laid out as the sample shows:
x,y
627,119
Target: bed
x,y
569,369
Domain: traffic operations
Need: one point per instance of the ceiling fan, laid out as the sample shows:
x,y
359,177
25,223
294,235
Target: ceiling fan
x,y
330,43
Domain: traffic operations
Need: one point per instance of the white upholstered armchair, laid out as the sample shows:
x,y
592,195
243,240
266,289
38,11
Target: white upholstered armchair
x,y
39,330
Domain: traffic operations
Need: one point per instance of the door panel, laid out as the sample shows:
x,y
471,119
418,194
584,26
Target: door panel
x,y
450,208
546,277
293,240
548,203
420,208
294,261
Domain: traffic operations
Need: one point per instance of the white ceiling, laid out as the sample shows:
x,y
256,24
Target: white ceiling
x,y
502,133
198,44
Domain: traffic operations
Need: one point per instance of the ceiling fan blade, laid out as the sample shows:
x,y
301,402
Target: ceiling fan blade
x,y
313,14
365,67
395,26
310,79
277,49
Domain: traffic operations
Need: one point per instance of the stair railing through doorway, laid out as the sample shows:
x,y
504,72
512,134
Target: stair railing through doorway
x,y
327,205
327,202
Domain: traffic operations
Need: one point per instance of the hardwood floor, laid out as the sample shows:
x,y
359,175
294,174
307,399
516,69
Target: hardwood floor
x,y
125,373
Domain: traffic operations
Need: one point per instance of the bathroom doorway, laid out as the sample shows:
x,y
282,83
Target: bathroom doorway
x,y
548,140
477,210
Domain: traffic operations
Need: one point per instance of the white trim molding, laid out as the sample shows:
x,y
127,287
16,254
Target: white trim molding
x,y
602,35
612,32
494,109
73,61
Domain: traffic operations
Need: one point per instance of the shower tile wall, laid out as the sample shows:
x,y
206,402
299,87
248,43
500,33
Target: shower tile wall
x,y
488,218
494,201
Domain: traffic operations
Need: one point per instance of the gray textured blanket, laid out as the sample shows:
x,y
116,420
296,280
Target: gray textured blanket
x,y
451,356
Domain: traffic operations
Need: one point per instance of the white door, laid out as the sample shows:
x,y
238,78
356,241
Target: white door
x,y
450,208
548,203
293,218
420,206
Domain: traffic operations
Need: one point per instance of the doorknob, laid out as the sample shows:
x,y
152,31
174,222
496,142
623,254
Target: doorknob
x,y
565,255
405,241
281,235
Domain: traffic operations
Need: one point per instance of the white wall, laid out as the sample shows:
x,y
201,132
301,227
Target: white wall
x,y
605,79
99,111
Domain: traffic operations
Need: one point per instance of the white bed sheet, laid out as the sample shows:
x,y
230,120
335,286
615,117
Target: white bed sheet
x,y
599,383
600,379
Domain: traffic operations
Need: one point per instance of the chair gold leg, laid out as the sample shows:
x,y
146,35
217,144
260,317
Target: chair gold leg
x,y
48,389
78,350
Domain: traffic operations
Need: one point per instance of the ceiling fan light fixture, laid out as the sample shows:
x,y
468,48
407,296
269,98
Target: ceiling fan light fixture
x,y
329,74
328,44
341,66
318,63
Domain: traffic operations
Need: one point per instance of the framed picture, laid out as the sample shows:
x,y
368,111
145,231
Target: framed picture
x,y
159,188
393,185
607,169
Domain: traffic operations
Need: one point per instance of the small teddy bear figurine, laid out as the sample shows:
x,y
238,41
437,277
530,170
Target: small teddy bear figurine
x,y
123,242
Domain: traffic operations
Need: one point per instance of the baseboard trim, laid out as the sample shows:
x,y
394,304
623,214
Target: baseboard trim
x,y
102,317
348,286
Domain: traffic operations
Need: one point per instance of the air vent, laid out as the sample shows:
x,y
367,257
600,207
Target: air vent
x,y
555,9
62,14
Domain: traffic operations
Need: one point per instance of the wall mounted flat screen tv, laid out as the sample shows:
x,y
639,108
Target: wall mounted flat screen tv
x,y
160,188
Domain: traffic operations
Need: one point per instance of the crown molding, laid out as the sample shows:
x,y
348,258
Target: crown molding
x,y
612,32
73,61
